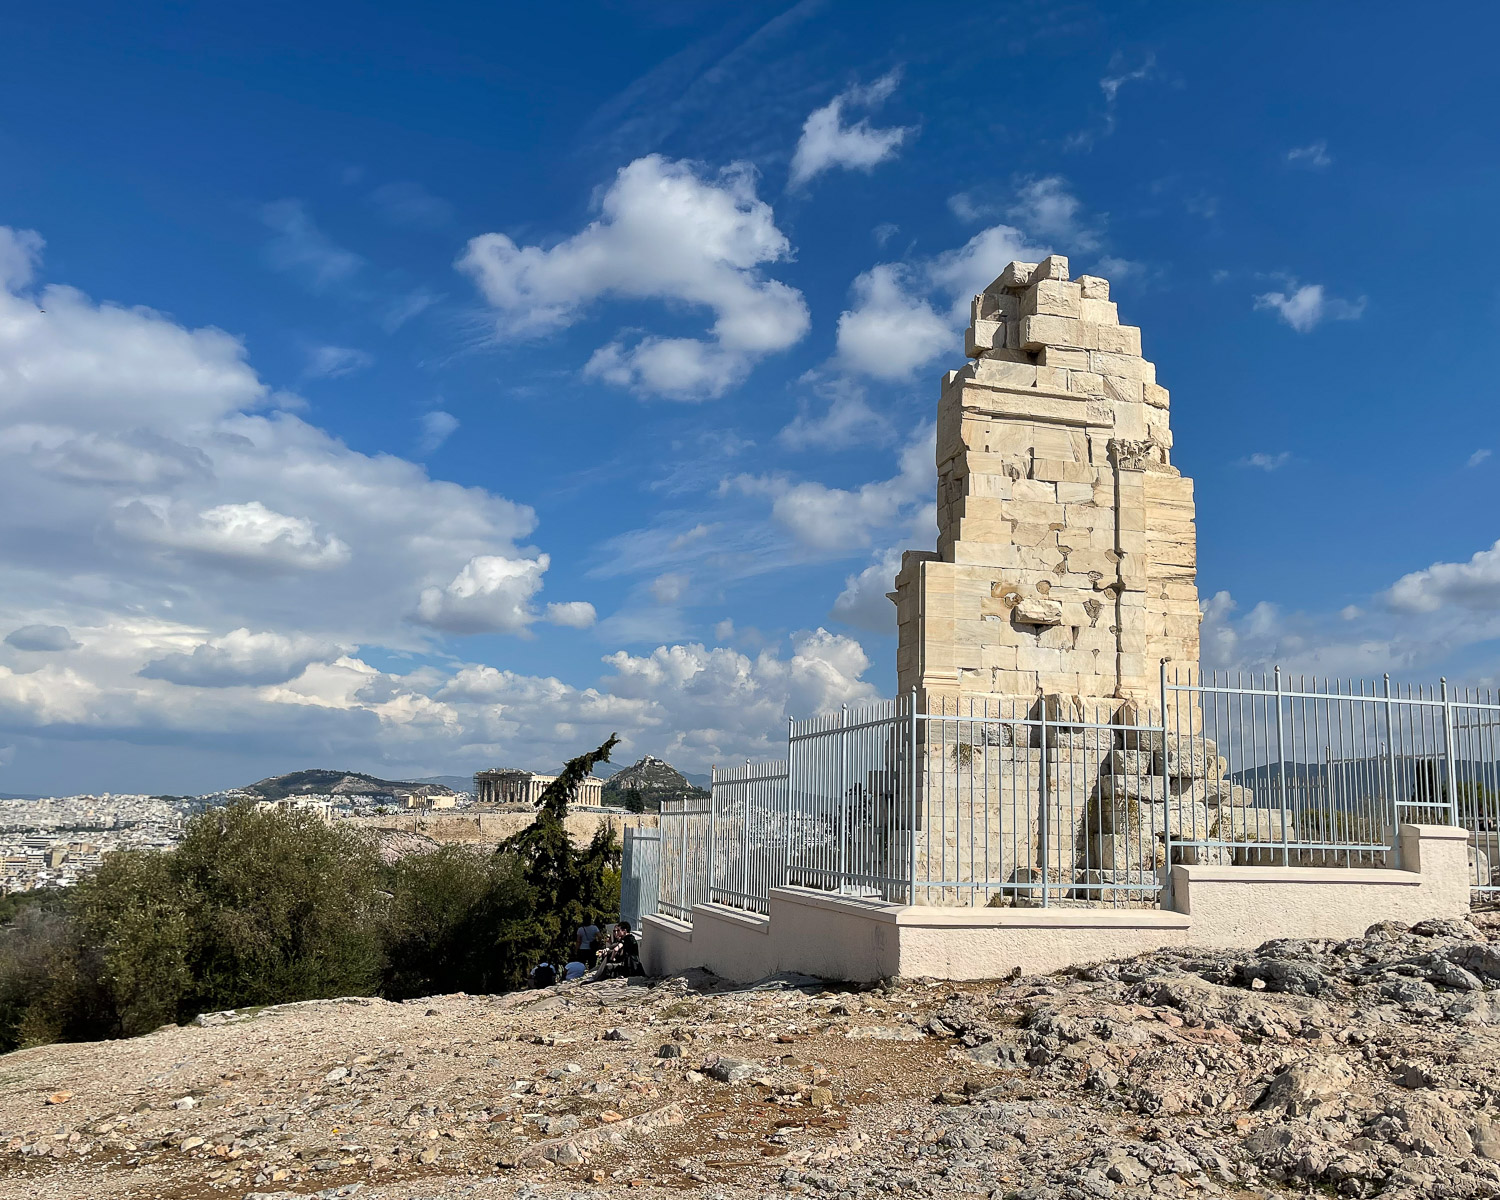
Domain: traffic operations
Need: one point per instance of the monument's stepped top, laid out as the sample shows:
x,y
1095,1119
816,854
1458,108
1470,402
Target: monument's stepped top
x,y
1066,555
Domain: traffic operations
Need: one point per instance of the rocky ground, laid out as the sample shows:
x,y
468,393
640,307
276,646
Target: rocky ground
x,y
1360,1067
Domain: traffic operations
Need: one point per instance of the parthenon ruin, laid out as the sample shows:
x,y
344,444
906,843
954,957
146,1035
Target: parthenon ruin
x,y
1066,555
502,786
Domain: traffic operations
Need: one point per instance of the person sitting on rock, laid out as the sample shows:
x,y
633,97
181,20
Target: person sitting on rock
x,y
624,954
543,975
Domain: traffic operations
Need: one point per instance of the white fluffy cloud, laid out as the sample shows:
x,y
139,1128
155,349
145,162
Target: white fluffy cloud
x,y
828,142
864,603
1472,585
492,594
830,519
1051,212
1262,461
905,316
848,420
248,533
669,588
1429,622
1304,307
188,563
665,232
718,705
145,470
88,368
963,273
888,333
572,614
241,658
20,251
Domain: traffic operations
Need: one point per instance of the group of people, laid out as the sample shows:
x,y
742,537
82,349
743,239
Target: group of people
x,y
615,951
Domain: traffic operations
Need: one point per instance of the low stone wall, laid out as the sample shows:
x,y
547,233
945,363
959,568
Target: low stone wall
x,y
489,829
842,938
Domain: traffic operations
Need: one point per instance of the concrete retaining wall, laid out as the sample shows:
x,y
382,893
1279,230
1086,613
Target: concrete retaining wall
x,y
841,938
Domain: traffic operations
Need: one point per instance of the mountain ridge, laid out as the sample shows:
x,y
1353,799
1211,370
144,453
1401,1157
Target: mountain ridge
x,y
318,781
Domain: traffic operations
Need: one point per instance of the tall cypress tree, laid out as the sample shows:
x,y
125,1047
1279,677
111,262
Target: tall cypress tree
x,y
569,887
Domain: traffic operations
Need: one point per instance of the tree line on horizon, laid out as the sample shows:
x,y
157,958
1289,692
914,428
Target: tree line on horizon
x,y
265,907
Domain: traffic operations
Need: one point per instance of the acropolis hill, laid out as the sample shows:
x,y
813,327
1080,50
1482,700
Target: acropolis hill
x,y
1066,551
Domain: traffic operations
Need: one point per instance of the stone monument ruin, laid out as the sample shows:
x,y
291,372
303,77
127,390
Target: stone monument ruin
x,y
1066,556
1042,793
1065,572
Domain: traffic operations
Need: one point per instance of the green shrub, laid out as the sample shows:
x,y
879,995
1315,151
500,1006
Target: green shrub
x,y
264,907
283,907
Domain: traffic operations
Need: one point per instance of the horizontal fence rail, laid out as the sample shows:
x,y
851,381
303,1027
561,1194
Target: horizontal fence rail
x,y
1054,800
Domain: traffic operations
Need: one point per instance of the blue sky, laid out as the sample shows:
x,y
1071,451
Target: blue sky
x,y
424,388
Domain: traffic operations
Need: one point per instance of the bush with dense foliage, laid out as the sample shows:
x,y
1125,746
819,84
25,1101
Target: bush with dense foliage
x,y
259,907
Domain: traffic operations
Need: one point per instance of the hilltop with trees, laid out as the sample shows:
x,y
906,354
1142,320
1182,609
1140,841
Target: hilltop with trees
x,y
643,787
264,907
341,783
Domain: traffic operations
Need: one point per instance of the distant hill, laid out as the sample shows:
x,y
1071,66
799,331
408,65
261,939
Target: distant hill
x,y
654,779
454,783
12,796
341,783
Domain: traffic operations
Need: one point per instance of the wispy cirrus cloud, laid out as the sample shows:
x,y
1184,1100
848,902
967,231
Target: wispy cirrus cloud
x,y
1117,77
332,362
1314,155
298,247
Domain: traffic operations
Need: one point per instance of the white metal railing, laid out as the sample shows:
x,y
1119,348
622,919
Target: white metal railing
x,y
684,826
748,834
640,875
1058,801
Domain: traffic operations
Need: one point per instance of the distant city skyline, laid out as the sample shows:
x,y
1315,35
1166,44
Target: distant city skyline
x,y
412,391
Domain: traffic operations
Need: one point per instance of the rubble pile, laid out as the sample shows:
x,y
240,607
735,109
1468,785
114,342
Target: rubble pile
x,y
1360,1067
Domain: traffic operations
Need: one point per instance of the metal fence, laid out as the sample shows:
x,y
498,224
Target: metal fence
x,y
685,838
750,833
640,875
1060,801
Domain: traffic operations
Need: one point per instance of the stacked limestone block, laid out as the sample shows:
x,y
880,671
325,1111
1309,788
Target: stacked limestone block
x,y
1175,794
1066,552
1065,564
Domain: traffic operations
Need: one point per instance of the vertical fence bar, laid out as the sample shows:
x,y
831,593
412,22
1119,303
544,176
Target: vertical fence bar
x,y
1165,884
1286,856
1392,803
913,779
713,843
1044,822
842,880
1450,753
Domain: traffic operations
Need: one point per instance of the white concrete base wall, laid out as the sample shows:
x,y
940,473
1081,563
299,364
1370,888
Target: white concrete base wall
x,y
1035,940
841,938
1244,906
